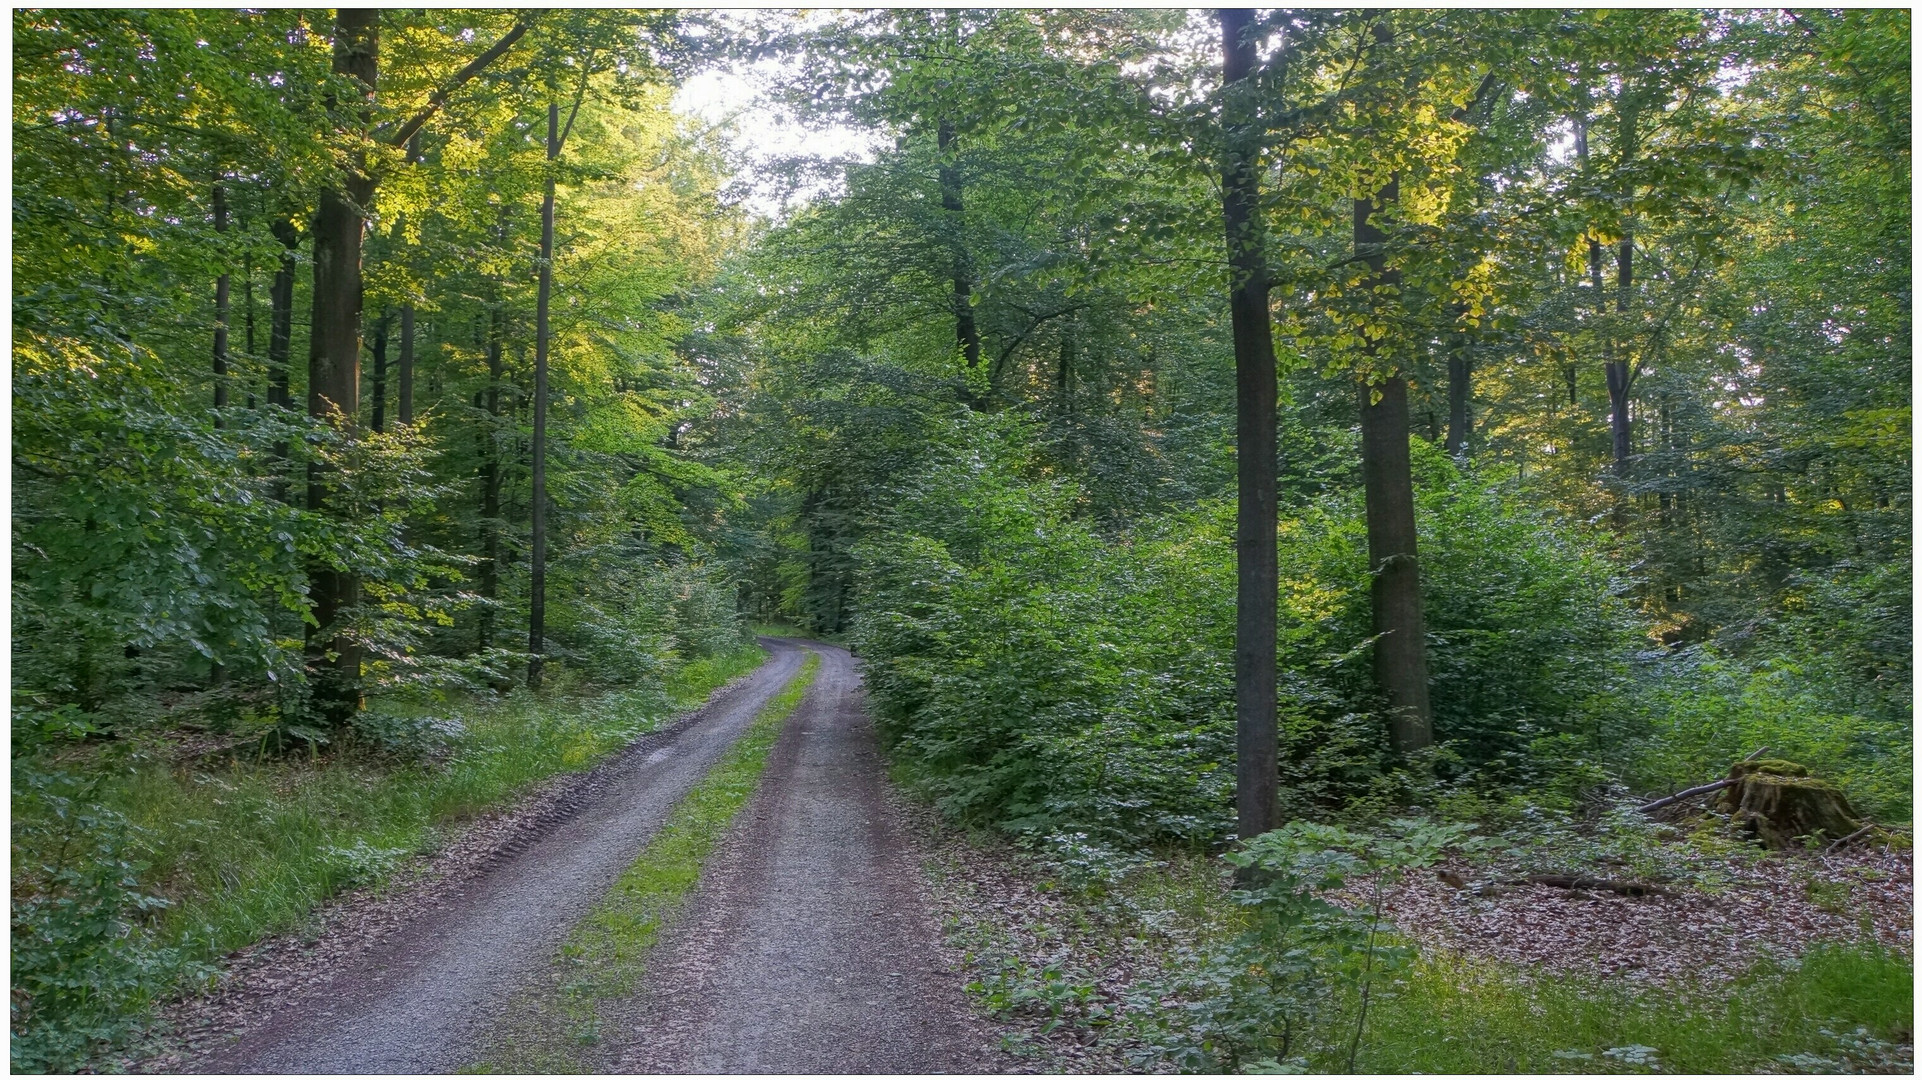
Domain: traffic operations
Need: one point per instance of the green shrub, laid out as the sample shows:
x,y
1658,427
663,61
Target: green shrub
x,y
1032,672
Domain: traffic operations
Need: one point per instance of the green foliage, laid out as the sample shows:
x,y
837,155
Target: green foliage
x,y
1033,673
86,958
128,882
1838,1008
1298,983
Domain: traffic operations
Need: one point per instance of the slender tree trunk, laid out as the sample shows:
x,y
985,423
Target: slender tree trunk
x,y
491,483
1256,584
406,372
1401,656
216,672
379,419
405,376
1460,390
1619,380
537,589
1064,373
220,311
280,336
333,370
966,333
247,301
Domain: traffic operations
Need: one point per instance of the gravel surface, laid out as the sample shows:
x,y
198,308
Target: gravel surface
x,y
417,998
811,946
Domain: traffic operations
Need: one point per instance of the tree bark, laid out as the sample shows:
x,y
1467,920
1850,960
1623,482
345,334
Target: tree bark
x,y
1256,586
280,332
1619,379
405,376
1401,655
966,333
406,373
333,367
491,483
221,294
537,588
379,419
1460,389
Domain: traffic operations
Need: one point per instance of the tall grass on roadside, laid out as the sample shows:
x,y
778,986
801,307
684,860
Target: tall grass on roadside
x,y
1840,1008
201,861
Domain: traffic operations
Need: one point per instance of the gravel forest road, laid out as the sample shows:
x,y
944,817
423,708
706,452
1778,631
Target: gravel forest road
x,y
810,946
419,1000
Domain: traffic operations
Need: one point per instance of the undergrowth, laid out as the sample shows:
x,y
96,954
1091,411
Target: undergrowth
x,y
1197,996
603,958
130,881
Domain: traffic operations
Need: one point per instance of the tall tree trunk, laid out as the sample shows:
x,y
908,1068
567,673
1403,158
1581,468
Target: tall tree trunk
x,y
1256,585
1064,373
1619,379
1401,655
247,301
491,483
405,376
220,310
537,588
1460,389
966,333
1460,376
280,334
333,368
379,419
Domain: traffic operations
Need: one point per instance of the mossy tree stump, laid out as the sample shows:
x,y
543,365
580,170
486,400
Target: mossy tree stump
x,y
1778,803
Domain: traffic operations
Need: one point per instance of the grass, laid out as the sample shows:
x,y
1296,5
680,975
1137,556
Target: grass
x,y
553,1027
250,848
1843,1008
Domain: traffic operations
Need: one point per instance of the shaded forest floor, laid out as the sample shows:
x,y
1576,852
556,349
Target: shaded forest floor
x,y
1790,962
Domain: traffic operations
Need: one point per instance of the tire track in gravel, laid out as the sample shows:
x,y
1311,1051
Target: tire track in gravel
x,y
810,946
419,1000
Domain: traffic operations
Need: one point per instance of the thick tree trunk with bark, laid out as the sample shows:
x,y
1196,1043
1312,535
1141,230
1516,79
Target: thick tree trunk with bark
x,y
1256,585
1401,654
333,368
966,333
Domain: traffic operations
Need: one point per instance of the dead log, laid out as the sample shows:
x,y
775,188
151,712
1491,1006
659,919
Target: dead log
x,y
1582,881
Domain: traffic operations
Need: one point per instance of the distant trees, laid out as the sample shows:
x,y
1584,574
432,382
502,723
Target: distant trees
x,y
267,140
1466,213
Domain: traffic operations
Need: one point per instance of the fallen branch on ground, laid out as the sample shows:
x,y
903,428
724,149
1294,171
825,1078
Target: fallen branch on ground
x,y
1579,881
1867,828
1690,793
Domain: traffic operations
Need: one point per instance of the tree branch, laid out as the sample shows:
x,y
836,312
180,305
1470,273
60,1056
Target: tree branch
x,y
462,77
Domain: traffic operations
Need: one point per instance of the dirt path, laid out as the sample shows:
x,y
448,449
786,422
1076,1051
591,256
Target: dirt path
x,y
418,1000
810,946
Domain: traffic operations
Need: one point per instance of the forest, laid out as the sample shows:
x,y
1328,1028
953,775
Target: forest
x,y
1260,460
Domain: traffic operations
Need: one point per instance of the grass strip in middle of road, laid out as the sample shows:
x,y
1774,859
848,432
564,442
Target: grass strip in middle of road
x,y
554,1025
